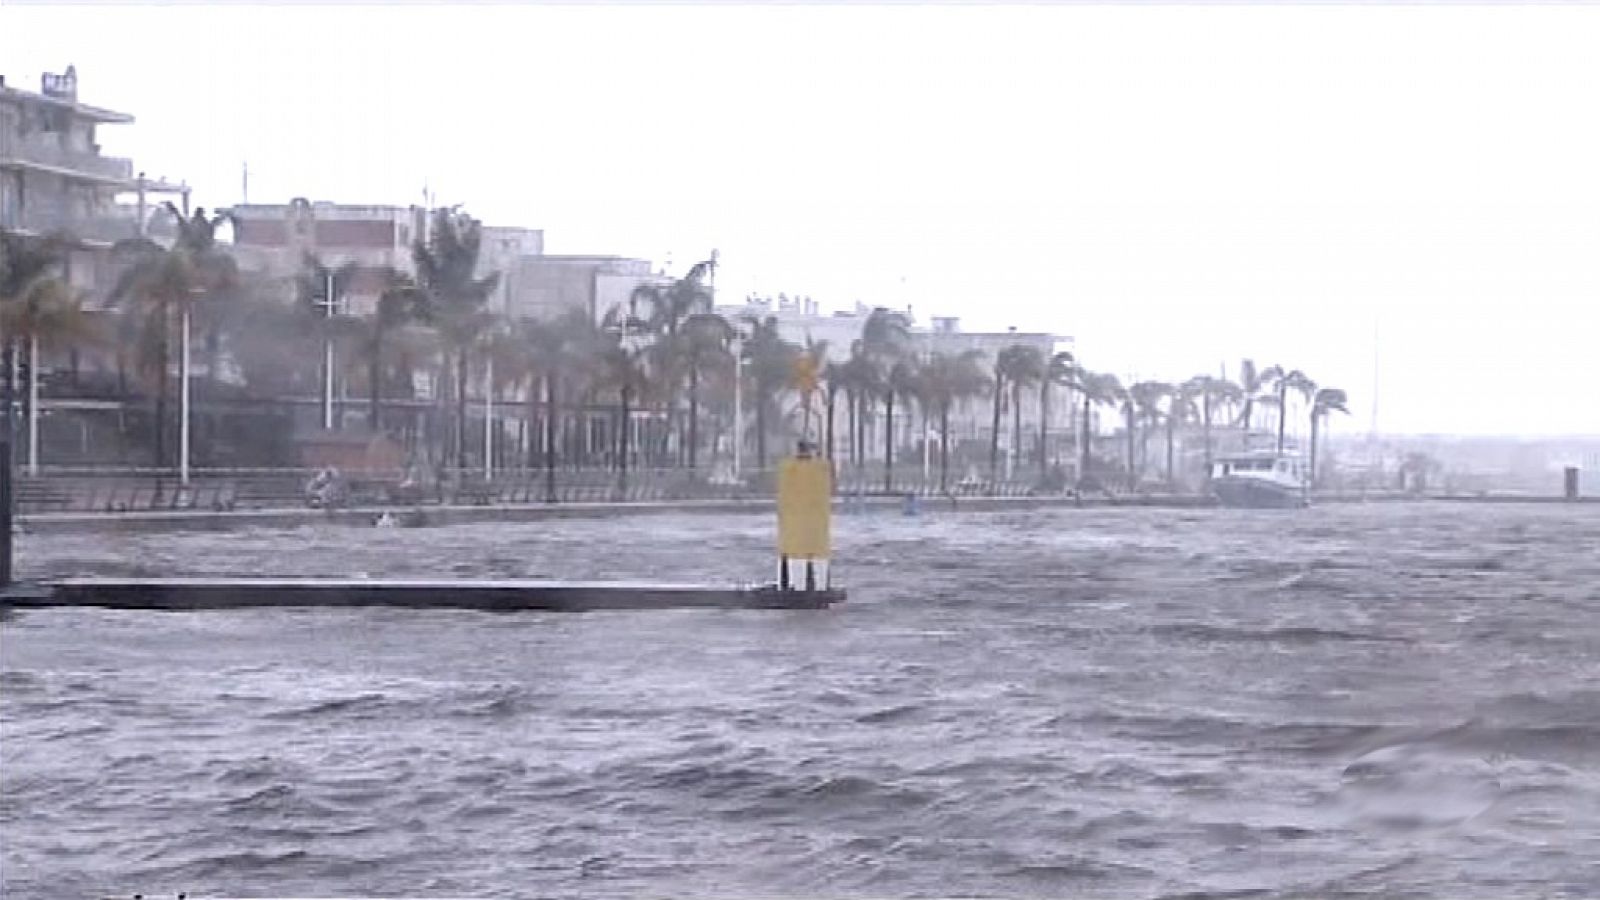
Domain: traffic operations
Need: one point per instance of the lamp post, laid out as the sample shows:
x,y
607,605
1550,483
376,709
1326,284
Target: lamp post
x,y
327,360
328,302
488,417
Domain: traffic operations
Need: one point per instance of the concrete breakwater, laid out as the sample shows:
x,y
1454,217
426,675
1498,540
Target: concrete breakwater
x,y
230,520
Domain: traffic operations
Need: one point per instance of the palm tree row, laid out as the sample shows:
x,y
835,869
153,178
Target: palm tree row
x,y
663,354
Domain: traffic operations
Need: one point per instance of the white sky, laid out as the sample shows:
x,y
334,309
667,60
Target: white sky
x,y
1174,186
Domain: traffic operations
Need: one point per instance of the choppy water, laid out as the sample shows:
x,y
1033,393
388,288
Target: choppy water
x,y
1386,700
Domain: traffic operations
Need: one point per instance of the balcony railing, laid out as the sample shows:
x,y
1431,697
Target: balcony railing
x,y
46,151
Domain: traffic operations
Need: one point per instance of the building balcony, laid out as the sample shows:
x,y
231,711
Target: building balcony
x,y
45,154
106,227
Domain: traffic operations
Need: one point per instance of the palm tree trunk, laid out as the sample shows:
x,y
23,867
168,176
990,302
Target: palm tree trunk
x,y
550,434
1313,453
461,410
1283,412
530,447
375,382
1144,444
832,395
622,445
850,426
1016,429
1086,451
944,447
1205,411
761,430
1044,427
861,430
1170,422
1133,471
888,441
161,397
994,432
694,414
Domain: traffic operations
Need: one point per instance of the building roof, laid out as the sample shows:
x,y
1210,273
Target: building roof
x,y
82,110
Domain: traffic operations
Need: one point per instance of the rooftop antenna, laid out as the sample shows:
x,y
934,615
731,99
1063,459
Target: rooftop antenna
x,y
244,186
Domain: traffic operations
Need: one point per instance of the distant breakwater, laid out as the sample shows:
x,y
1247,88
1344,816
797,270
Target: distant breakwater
x,y
880,504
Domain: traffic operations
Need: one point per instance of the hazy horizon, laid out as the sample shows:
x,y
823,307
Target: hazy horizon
x,y
1176,187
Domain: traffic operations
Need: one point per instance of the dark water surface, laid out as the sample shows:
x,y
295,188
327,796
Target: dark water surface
x,y
1387,700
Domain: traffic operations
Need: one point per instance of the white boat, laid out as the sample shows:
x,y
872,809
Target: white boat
x,y
1261,480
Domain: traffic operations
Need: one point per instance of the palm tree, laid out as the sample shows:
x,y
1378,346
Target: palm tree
x,y
1251,384
1144,402
900,381
1212,391
158,280
453,299
1016,366
945,380
547,351
770,366
623,361
1283,382
1061,370
398,299
703,341
885,345
666,310
858,377
824,370
1325,401
38,308
1180,410
670,307
1097,389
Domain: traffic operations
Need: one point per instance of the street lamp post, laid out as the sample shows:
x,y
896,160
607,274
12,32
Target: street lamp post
x,y
488,418
327,355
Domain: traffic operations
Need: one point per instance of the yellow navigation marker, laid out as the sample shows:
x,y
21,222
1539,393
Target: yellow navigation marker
x,y
805,373
805,508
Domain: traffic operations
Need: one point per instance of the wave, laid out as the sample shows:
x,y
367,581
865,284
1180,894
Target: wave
x,y
366,703
1292,634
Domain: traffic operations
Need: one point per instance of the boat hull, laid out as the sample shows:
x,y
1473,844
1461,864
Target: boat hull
x,y
1257,493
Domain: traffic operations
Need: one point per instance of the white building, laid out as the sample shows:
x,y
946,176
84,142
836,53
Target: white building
x,y
801,322
273,240
548,286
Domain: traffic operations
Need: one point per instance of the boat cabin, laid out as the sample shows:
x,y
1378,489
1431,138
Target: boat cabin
x,y
1279,467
